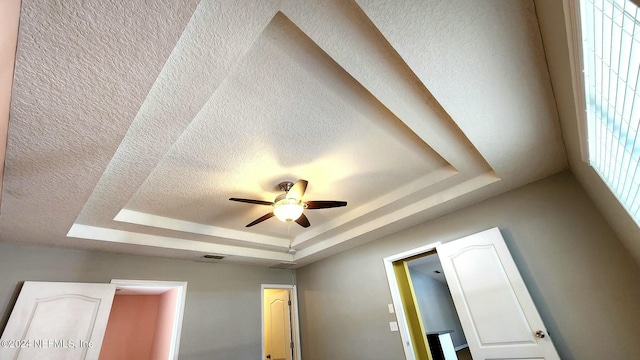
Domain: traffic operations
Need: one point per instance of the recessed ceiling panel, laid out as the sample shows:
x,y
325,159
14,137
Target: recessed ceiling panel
x,y
132,124
341,139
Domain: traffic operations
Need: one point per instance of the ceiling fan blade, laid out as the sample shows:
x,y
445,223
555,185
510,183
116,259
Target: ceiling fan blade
x,y
297,190
322,204
260,219
303,221
250,201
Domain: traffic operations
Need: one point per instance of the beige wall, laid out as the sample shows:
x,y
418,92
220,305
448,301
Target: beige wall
x,y
583,281
585,284
222,315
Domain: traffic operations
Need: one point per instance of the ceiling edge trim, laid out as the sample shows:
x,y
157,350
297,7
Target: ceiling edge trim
x,y
126,237
456,191
146,219
401,192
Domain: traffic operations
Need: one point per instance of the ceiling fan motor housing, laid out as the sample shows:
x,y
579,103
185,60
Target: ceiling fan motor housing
x,y
288,206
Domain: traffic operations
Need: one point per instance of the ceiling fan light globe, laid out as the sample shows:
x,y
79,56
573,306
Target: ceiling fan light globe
x,y
288,209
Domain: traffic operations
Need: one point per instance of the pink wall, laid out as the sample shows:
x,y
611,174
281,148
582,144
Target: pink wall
x,y
9,16
164,326
131,327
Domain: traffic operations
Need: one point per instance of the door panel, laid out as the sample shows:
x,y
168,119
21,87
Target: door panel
x,y
277,329
495,309
277,323
496,315
57,321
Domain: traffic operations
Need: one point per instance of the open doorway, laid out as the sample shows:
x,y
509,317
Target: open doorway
x,y
496,311
280,330
151,313
436,307
433,330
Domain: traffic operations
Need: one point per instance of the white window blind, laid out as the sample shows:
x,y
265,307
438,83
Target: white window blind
x,y
611,56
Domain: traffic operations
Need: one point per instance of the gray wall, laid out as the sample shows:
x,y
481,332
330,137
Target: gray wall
x,y
583,281
222,315
436,306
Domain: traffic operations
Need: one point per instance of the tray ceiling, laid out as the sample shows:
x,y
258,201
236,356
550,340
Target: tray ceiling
x,y
132,124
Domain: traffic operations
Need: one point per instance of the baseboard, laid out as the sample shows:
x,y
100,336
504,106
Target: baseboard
x,y
461,347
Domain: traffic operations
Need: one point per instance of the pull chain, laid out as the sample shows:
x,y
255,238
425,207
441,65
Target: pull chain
x,y
293,274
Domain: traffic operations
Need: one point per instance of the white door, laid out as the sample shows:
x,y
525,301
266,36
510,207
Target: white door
x,y
277,324
497,314
57,321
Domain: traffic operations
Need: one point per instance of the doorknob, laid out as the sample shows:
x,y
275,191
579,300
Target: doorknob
x,y
269,356
540,334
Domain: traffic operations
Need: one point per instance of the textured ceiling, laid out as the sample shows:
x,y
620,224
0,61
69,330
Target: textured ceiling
x,y
133,123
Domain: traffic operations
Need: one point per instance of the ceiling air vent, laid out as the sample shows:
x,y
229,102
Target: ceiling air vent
x,y
213,257
283,265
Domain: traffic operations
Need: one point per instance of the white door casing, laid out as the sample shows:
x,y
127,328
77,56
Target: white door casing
x,y
295,329
497,313
396,297
55,320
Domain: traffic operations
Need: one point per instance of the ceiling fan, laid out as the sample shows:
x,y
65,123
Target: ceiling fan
x,y
289,205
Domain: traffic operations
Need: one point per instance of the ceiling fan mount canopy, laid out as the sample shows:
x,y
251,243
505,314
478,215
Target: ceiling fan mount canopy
x,y
289,206
285,186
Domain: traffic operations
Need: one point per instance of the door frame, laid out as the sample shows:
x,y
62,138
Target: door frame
x,y
403,326
295,327
154,287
